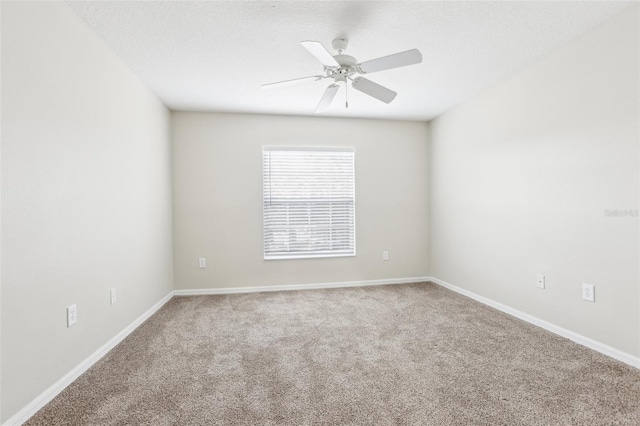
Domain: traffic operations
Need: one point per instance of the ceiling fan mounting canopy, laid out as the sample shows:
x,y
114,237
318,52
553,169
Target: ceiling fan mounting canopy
x,y
343,67
340,45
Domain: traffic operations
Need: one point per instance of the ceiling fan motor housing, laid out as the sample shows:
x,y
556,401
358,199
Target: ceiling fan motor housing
x,y
346,61
347,67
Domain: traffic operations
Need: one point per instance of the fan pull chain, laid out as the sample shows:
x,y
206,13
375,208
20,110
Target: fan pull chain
x,y
346,94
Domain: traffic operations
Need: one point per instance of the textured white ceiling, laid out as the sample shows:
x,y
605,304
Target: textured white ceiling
x,y
214,55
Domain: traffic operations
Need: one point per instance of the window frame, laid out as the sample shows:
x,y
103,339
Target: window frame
x,y
307,255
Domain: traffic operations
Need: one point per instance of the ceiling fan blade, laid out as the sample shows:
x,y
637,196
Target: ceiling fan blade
x,y
317,49
374,89
328,96
268,85
397,60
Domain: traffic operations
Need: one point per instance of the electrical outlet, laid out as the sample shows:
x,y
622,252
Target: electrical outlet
x,y
202,262
72,315
113,296
588,292
540,281
385,255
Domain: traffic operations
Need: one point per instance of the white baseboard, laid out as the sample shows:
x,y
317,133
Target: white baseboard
x,y
232,290
43,399
578,338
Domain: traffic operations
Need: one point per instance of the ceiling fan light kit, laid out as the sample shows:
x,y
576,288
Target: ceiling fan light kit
x,y
343,67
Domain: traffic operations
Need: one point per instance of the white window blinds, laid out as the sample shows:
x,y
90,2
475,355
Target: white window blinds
x,y
309,202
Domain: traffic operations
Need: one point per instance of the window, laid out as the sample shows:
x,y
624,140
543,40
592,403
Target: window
x,y
309,202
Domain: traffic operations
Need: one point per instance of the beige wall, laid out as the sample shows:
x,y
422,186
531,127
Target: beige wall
x,y
86,201
522,174
217,186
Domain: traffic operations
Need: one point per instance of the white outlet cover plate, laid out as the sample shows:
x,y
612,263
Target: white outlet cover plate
x,y
540,281
72,315
202,262
588,292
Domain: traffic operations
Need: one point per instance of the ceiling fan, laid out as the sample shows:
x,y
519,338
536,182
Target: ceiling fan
x,y
341,68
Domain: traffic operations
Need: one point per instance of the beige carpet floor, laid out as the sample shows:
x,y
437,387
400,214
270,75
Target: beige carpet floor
x,y
388,355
